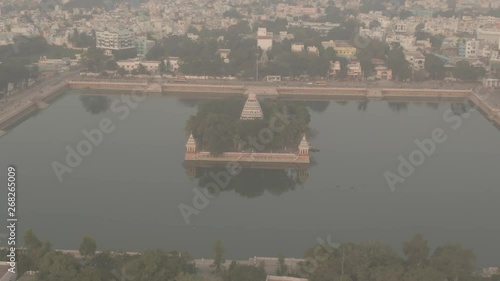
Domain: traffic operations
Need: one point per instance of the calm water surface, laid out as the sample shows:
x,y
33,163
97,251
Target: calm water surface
x,y
127,191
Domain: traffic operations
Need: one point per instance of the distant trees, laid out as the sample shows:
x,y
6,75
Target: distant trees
x,y
416,251
88,246
282,267
333,14
159,265
366,261
445,14
296,64
420,27
435,40
371,5
404,14
201,58
345,31
15,59
82,40
494,12
219,259
111,65
453,261
140,70
94,60
378,261
376,49
29,258
239,272
125,54
122,71
279,24
232,13
397,62
53,265
434,66
56,266
466,72
374,24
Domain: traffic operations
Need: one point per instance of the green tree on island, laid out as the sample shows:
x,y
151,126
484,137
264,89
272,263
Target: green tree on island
x,y
217,126
219,259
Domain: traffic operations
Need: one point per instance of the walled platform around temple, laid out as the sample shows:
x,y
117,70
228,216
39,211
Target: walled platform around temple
x,y
253,157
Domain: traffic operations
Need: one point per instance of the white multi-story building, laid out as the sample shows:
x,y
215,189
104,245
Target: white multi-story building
x,y
132,64
27,30
6,38
144,45
264,39
400,27
416,60
173,63
282,35
407,42
354,69
378,34
119,40
312,50
489,35
472,49
297,48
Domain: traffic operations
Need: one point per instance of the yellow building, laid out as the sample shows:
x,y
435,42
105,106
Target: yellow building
x,y
342,48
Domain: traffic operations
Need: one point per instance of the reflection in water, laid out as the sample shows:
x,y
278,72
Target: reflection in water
x,y
433,105
398,106
318,106
250,182
460,108
341,102
189,102
95,104
363,105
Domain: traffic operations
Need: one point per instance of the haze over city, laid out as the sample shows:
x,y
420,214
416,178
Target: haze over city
x,y
250,140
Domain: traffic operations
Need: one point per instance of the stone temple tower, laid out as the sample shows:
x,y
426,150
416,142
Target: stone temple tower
x,y
252,109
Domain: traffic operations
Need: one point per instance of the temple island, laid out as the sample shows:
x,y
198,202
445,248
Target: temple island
x,y
298,160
